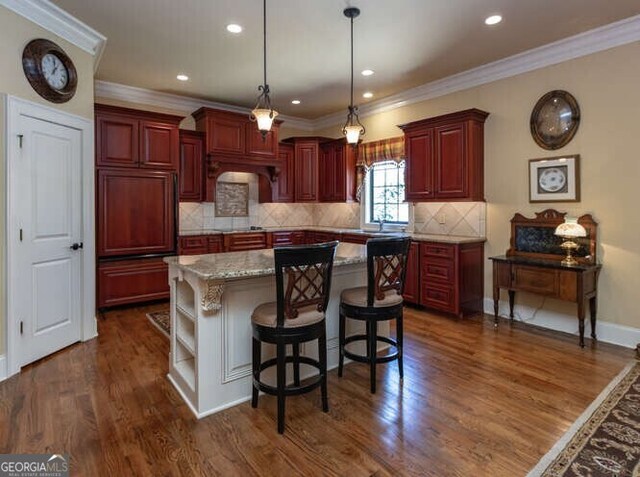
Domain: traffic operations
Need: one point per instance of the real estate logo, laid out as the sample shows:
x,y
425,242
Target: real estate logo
x,y
34,465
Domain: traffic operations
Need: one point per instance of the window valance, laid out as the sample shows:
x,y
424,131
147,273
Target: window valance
x,y
391,149
370,153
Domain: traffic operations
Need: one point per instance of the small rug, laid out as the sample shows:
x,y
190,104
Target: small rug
x,y
605,440
162,321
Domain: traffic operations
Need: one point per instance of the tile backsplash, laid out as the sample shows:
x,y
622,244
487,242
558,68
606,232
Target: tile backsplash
x,y
450,218
439,218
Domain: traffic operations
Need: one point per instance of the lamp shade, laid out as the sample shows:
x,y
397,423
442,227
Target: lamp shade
x,y
571,228
264,117
353,133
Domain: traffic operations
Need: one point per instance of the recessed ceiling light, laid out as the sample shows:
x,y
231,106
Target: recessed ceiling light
x,y
182,77
368,95
234,28
493,20
295,101
367,72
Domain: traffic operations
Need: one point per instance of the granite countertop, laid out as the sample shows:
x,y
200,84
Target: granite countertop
x,y
451,239
254,263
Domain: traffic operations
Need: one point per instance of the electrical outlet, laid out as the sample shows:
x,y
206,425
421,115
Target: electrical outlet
x,y
442,219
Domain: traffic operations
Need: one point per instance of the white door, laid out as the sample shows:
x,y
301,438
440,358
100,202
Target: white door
x,y
46,214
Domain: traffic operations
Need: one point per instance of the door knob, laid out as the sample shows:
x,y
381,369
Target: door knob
x,y
76,246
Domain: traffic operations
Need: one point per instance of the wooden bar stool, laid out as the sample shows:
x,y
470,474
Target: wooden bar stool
x,y
380,300
303,285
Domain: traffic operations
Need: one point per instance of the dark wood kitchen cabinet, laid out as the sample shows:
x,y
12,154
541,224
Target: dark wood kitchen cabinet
x,y
159,144
117,138
337,172
284,188
135,212
355,238
245,241
445,157
259,147
199,244
306,171
278,239
191,173
412,280
123,282
136,139
193,245
225,131
452,277
234,134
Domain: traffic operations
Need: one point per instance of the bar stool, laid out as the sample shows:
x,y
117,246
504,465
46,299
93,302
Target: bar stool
x,y
380,300
296,317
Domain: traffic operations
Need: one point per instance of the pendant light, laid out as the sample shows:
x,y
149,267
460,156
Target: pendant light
x,y
353,128
263,113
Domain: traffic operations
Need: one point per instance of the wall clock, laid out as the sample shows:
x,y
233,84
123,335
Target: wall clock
x,y
555,119
49,70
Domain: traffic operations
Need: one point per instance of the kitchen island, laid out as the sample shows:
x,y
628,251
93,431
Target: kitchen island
x,y
212,298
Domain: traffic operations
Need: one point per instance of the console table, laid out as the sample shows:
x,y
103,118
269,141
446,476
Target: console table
x,y
533,264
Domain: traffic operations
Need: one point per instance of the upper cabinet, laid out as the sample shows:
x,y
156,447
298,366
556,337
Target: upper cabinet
x,y
445,157
284,188
315,169
235,135
337,172
136,139
256,145
306,170
191,176
158,145
116,140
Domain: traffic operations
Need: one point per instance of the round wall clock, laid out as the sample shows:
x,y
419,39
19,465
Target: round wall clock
x,y
555,119
49,70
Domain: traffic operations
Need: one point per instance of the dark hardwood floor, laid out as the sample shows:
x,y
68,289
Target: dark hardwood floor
x,y
474,402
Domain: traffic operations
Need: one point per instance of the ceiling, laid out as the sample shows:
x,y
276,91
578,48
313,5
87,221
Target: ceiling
x,y
406,42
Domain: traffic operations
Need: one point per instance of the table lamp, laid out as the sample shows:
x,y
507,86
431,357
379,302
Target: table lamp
x,y
568,230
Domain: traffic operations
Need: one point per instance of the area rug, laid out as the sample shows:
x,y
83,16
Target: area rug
x,y
605,440
162,321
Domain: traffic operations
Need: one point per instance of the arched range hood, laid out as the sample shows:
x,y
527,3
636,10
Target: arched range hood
x,y
234,144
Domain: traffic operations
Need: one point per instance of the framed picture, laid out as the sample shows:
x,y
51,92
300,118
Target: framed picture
x,y
554,179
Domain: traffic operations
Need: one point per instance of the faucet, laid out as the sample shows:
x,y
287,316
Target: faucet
x,y
380,224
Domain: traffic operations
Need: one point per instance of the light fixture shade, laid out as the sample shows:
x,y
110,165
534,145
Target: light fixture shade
x,y
571,228
264,117
353,133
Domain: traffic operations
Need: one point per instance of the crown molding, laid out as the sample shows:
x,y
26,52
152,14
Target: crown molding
x,y
593,41
52,18
586,43
179,103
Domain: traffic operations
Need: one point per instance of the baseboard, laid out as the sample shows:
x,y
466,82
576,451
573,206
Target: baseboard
x,y
622,335
3,367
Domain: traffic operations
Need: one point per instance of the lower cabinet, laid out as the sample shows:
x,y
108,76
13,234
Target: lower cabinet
x,y
199,244
355,238
451,277
412,279
245,241
322,237
278,239
123,282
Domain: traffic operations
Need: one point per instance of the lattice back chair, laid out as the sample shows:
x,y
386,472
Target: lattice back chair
x,y
386,267
380,300
303,287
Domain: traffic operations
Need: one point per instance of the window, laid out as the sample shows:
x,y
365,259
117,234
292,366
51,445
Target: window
x,y
386,193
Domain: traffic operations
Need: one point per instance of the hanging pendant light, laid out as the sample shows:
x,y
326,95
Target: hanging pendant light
x,y
353,128
263,113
